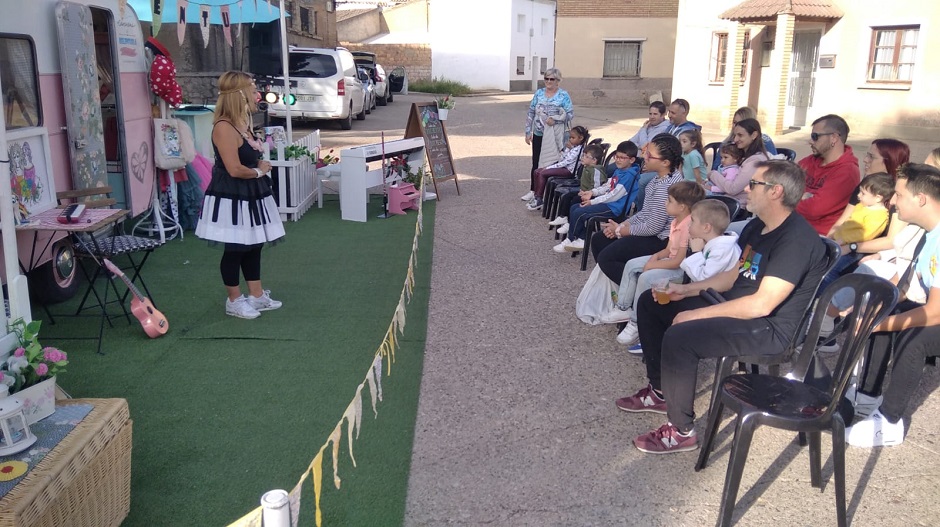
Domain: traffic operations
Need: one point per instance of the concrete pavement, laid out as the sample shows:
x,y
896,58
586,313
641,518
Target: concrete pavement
x,y
517,423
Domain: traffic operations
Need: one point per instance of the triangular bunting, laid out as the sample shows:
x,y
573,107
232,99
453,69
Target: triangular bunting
x,y
226,24
204,24
370,378
156,8
252,519
377,368
334,437
353,416
181,20
316,466
294,498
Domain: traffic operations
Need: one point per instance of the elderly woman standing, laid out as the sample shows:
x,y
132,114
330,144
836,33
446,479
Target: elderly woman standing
x,y
549,113
239,210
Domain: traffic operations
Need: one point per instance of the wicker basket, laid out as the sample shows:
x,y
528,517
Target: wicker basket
x,y
85,480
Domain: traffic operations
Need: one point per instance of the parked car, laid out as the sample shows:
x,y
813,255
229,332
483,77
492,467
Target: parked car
x,y
377,73
368,89
328,86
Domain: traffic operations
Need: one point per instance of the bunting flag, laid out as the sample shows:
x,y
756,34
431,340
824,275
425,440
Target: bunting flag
x,y
204,24
226,24
181,20
353,413
252,519
156,7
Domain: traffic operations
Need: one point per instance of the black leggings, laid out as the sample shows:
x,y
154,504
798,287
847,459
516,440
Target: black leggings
x,y
536,152
244,257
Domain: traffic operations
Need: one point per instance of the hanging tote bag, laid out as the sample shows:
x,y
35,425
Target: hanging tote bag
x,y
597,297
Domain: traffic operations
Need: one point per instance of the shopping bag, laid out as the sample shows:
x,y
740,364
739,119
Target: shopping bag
x,y
597,297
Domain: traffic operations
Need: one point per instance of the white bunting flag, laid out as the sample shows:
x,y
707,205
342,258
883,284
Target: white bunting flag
x,y
181,20
226,24
204,24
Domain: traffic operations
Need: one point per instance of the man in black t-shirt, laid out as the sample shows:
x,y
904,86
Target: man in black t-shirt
x,y
782,261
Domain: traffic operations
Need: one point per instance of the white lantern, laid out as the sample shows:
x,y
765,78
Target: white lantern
x,y
15,435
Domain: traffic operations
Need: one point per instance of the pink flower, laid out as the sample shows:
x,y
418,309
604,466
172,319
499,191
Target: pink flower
x,y
53,355
19,352
42,369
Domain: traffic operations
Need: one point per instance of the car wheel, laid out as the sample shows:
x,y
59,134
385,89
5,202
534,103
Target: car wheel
x,y
346,124
383,100
56,280
367,108
361,116
390,99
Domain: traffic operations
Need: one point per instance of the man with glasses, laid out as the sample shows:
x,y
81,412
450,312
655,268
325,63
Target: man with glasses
x,y
782,260
831,173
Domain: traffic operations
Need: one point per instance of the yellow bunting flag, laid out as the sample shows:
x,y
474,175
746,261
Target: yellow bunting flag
x,y
317,468
252,519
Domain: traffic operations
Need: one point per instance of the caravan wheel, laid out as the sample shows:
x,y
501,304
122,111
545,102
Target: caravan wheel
x,y
56,280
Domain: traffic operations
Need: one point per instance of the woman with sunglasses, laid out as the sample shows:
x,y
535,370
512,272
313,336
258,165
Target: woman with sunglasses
x,y
747,136
549,114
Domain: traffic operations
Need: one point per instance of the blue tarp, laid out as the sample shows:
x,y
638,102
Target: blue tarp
x,y
243,12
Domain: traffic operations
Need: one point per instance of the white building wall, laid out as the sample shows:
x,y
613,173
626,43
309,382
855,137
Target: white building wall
x,y
477,43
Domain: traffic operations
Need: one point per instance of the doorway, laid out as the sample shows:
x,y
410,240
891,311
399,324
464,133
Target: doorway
x,y
802,77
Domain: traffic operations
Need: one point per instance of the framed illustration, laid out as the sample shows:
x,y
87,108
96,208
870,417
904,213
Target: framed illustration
x,y
31,170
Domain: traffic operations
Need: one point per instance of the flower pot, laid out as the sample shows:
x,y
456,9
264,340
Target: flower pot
x,y
442,113
38,400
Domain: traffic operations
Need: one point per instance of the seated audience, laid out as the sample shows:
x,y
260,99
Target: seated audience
x,y
747,136
647,231
577,138
915,329
744,112
831,173
693,157
781,263
605,201
730,157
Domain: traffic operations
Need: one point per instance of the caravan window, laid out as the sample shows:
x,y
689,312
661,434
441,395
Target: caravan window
x,y
20,81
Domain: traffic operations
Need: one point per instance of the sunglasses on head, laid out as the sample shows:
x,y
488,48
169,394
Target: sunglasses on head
x,y
815,135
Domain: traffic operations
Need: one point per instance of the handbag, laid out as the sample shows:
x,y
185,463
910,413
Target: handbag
x,y
597,297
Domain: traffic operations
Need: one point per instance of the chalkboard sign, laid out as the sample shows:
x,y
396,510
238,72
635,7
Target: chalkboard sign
x,y
424,121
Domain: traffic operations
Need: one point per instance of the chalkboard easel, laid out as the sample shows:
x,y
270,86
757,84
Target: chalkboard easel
x,y
423,121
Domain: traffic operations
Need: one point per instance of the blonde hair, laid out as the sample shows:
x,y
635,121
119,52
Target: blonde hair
x,y
236,98
933,158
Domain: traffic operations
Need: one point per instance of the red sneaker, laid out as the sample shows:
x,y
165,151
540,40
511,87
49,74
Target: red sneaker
x,y
666,440
644,400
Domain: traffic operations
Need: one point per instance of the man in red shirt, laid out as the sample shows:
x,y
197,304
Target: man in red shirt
x,y
831,173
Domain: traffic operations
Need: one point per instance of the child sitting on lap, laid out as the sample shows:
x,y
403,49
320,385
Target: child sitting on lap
x,y
731,157
640,272
870,216
712,250
606,201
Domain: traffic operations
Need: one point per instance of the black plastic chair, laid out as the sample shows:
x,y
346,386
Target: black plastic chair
x,y
549,202
734,206
724,365
715,159
791,154
808,400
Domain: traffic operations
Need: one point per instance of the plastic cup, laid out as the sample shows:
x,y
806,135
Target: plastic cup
x,y
660,293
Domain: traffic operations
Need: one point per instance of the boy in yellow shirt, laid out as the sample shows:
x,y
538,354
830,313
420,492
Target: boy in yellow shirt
x,y
870,216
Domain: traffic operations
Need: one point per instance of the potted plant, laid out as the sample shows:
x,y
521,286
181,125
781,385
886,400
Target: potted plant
x,y
328,159
30,372
444,105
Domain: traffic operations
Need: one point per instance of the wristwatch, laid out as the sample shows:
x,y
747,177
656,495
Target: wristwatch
x,y
853,247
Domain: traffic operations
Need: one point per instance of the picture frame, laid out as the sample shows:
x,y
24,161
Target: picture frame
x,y
31,179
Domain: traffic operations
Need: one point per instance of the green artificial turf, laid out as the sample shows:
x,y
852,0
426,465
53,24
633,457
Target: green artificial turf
x,y
226,409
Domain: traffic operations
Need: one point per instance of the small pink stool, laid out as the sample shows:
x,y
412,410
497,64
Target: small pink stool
x,y
401,197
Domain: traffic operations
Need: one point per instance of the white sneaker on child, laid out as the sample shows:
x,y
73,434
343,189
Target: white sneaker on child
x,y
577,245
563,229
528,196
617,315
630,334
560,248
559,221
875,430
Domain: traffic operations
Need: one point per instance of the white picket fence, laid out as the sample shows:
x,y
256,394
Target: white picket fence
x,y
295,180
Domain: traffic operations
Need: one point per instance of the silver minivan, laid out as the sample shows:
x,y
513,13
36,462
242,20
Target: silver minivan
x,y
327,86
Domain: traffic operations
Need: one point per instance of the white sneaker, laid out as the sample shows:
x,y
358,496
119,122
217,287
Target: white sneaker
x,y
577,245
264,302
241,308
630,335
563,229
535,204
828,326
559,221
865,405
617,315
528,196
560,248
875,430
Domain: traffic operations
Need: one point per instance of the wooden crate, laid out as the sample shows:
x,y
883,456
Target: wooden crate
x,y
85,480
